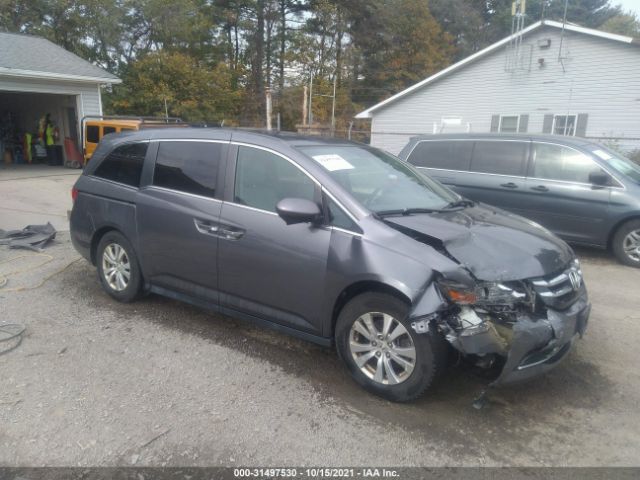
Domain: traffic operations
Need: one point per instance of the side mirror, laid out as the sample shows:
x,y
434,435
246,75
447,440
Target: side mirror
x,y
599,178
298,210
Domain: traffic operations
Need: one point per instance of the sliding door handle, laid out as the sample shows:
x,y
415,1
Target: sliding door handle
x,y
540,188
509,185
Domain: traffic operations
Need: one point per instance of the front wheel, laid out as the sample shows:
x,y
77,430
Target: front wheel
x,y
626,243
118,267
381,350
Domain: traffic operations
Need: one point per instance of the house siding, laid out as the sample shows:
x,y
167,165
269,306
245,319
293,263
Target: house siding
x,y
600,78
88,93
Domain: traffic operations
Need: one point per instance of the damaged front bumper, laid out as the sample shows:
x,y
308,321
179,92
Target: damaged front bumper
x,y
530,346
538,345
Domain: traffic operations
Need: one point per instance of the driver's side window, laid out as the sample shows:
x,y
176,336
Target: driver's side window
x,y
556,162
263,179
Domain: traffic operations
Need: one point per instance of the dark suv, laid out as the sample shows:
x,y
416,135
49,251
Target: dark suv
x,y
334,242
582,191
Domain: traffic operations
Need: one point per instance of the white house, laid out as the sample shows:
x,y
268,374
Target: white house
x,y
39,77
550,78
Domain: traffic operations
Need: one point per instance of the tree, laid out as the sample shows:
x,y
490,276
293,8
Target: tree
x,y
623,24
190,89
20,16
475,25
464,21
398,43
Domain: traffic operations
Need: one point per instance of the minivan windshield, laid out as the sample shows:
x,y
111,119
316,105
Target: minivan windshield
x,y
619,163
380,181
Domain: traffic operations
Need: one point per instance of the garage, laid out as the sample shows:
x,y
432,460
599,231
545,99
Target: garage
x,y
43,97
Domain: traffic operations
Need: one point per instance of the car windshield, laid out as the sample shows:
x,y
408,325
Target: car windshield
x,y
380,181
619,163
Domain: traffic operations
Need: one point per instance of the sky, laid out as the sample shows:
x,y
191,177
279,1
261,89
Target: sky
x,y
633,5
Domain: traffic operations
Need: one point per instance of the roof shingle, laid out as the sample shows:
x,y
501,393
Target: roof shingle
x,y
37,55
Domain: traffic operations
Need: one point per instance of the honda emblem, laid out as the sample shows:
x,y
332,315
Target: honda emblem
x,y
575,278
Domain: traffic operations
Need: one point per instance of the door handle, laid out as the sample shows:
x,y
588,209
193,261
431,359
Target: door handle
x,y
232,234
509,185
540,188
206,227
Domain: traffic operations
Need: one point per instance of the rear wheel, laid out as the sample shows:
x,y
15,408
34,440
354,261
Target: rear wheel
x,y
381,350
626,243
118,267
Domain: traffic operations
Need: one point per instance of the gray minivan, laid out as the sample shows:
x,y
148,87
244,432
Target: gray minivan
x,y
334,242
582,191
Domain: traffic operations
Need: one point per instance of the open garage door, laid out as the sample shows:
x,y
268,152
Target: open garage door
x,y
20,117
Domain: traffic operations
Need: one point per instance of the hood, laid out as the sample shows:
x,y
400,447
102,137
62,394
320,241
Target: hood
x,y
492,244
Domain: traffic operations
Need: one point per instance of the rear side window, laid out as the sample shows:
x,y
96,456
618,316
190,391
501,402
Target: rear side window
x,y
124,164
503,158
93,133
108,130
451,155
190,167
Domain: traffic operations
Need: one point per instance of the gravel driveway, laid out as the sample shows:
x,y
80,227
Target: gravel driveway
x,y
158,382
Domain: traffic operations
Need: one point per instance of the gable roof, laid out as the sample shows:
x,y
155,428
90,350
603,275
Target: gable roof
x,y
36,57
491,48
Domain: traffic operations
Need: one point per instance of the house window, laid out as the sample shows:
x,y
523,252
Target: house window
x,y
509,123
564,125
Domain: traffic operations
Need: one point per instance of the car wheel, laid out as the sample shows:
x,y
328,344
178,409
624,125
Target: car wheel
x,y
381,350
118,267
626,243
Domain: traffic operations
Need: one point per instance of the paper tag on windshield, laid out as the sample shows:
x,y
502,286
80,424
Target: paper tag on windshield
x,y
333,162
602,154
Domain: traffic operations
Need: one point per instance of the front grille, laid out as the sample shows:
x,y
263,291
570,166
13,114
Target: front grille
x,y
559,290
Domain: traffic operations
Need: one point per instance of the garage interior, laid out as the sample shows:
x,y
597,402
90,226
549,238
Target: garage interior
x,y
20,115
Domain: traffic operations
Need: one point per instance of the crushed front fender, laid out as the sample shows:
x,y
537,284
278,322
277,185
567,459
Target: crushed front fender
x,y
532,345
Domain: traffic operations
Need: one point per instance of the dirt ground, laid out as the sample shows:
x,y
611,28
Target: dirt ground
x,y
158,382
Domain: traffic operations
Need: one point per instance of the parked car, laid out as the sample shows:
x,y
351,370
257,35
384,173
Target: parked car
x,y
334,242
580,190
94,127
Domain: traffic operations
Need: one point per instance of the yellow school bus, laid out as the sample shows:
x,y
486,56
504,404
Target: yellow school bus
x,y
95,127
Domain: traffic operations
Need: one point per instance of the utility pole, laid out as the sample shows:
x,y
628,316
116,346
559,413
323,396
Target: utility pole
x,y
268,109
311,100
304,106
333,107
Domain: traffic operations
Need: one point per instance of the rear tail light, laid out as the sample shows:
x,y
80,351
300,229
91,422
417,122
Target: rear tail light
x,y
74,193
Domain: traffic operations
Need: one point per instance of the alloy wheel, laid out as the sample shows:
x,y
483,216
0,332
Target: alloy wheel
x,y
631,245
382,348
116,267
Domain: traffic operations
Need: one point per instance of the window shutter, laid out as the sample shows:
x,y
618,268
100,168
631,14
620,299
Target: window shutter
x,y
547,124
581,125
495,123
524,123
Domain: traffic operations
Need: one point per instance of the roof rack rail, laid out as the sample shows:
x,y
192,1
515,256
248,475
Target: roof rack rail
x,y
141,118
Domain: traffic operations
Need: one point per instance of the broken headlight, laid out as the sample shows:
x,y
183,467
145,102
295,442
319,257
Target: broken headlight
x,y
488,293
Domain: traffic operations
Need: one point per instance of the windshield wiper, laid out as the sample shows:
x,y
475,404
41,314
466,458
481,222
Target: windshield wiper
x,y
405,211
462,203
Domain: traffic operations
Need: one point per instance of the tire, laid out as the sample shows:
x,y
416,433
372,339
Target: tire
x,y
626,243
116,283
430,349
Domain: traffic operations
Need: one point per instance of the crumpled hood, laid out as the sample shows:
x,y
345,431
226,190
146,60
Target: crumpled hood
x,y
492,244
